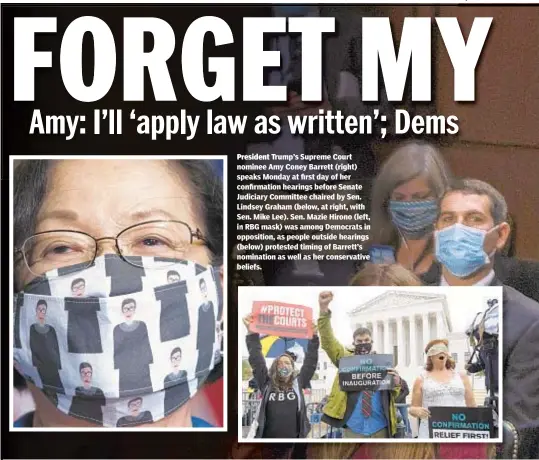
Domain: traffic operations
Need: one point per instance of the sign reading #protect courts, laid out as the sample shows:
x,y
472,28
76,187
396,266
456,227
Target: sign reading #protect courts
x,y
282,319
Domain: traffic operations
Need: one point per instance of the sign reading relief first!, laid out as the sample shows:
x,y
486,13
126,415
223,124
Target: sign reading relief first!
x,y
365,372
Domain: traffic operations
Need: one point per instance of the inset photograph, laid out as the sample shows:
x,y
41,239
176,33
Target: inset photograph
x,y
383,364
118,301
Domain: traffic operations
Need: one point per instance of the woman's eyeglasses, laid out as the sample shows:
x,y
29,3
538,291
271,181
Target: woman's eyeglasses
x,y
163,240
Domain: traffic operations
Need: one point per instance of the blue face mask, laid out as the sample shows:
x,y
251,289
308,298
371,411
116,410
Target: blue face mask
x,y
460,249
414,219
284,372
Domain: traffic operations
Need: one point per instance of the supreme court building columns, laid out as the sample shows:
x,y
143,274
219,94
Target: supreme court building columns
x,y
405,320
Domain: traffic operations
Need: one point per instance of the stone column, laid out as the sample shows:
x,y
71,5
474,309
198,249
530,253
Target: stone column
x,y
376,336
440,329
401,342
413,342
426,332
387,343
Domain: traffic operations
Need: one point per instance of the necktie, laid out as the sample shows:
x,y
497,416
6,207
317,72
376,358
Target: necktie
x,y
366,404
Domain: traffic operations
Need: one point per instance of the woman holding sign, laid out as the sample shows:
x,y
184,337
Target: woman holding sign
x,y
282,412
439,385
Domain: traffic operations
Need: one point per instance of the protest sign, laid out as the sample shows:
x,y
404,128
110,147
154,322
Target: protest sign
x,y
365,372
282,319
461,423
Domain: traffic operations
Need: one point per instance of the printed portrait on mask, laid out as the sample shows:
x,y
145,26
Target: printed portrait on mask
x,y
175,383
174,320
206,332
88,400
132,352
173,277
83,334
45,350
137,415
19,303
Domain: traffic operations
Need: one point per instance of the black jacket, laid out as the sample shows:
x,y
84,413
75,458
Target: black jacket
x,y
520,357
520,349
260,372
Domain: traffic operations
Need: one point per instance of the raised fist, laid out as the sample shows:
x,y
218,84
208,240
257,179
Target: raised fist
x,y
247,321
324,299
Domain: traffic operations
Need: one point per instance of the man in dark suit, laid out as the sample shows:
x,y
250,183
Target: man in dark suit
x,y
471,227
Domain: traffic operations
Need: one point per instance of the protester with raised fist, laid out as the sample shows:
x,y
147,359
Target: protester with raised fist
x,y
362,414
282,412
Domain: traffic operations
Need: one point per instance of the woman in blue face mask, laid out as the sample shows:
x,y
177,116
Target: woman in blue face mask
x,y
282,413
405,206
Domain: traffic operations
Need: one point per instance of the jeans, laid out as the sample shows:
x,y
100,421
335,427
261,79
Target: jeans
x,y
404,412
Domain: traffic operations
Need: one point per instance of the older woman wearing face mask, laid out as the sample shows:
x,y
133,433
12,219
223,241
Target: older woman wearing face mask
x,y
439,385
114,229
282,414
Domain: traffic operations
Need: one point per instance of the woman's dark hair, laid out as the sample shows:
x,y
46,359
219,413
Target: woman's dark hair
x,y
30,186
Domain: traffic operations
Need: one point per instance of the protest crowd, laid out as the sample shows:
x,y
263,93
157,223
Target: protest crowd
x,y
432,229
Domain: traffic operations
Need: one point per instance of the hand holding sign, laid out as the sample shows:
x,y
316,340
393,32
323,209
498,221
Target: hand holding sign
x,y
419,412
315,328
396,376
324,299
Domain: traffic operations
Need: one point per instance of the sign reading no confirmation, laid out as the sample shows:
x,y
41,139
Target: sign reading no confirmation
x,y
365,372
282,319
461,423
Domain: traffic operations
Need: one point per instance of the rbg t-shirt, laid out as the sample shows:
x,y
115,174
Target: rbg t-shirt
x,y
282,415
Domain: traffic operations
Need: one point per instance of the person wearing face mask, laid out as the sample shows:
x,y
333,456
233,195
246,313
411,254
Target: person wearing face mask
x,y
405,198
439,385
362,414
282,412
135,224
471,228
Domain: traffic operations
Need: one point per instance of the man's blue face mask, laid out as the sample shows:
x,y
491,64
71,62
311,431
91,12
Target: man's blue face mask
x,y
459,248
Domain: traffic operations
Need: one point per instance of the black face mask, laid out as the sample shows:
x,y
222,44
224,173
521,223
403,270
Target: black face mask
x,y
363,348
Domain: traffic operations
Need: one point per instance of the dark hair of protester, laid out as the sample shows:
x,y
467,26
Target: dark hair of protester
x,y
362,331
449,363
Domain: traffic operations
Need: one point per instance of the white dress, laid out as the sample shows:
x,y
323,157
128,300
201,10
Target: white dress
x,y
448,394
